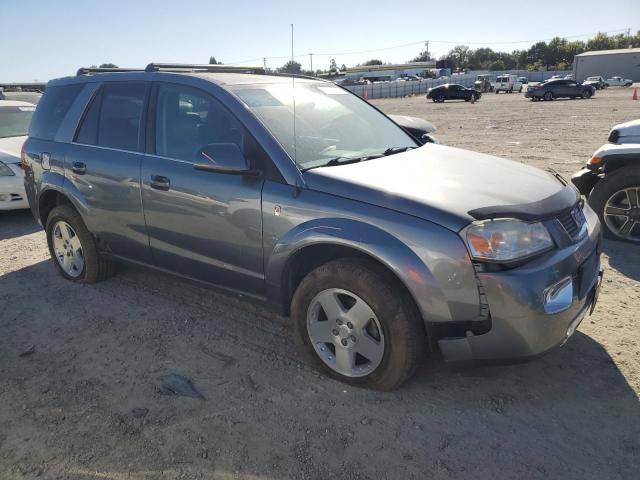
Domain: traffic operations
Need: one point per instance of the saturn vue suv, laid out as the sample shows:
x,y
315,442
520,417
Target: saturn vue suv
x,y
300,194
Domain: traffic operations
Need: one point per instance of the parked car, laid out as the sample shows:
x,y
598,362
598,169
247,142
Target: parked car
x,y
628,132
507,83
596,82
375,246
552,89
619,82
22,96
483,84
14,124
611,183
523,80
452,91
2,97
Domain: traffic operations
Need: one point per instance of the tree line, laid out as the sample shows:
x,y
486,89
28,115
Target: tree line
x,y
557,54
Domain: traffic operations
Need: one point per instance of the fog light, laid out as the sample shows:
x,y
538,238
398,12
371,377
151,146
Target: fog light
x,y
559,296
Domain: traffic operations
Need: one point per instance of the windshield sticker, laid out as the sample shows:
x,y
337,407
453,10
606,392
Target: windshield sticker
x,y
257,97
333,90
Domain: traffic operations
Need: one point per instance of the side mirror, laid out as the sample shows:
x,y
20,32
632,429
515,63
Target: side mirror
x,y
224,158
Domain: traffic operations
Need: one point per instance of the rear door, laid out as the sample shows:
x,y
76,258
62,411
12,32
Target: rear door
x,y
201,224
103,166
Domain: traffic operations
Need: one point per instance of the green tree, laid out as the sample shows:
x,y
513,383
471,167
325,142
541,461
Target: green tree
x,y
213,61
108,65
371,62
497,65
343,68
601,42
291,67
333,66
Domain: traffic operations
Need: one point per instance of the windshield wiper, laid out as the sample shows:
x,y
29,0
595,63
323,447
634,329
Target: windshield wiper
x,y
342,161
393,150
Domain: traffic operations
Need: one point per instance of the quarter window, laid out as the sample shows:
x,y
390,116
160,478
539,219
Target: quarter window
x,y
52,109
188,119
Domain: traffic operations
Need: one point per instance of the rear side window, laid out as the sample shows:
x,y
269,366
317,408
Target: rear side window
x,y
52,108
114,116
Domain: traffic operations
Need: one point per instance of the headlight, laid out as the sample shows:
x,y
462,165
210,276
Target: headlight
x,y
506,240
5,171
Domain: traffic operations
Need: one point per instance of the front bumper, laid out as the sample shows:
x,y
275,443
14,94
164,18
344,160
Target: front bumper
x,y
521,326
585,180
12,194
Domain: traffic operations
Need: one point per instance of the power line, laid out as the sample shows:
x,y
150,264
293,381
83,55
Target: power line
x,y
423,42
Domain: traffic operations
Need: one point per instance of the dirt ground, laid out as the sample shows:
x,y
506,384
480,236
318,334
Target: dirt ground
x,y
83,404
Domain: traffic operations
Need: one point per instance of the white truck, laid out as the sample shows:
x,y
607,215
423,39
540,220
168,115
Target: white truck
x,y
619,82
507,83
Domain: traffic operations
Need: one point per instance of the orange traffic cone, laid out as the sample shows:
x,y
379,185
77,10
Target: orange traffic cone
x,y
635,94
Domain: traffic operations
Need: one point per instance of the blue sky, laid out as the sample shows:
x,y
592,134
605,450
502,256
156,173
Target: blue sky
x,y
44,39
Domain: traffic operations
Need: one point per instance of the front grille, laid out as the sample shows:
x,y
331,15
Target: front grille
x,y
573,221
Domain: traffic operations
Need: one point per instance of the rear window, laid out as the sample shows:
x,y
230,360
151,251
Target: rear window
x,y
503,79
52,108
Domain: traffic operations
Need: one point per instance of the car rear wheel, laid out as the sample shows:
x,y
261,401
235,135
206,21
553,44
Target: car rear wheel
x,y
73,248
548,96
586,94
616,200
358,325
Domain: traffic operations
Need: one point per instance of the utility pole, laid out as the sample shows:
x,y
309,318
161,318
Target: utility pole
x,y
426,44
311,60
629,37
264,62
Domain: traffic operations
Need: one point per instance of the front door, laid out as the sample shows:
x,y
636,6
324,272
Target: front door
x,y
201,224
103,165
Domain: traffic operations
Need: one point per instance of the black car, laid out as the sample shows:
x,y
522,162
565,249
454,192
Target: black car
x,y
559,88
596,82
452,91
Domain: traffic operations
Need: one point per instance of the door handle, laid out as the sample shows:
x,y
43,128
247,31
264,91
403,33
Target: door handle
x,y
160,183
79,168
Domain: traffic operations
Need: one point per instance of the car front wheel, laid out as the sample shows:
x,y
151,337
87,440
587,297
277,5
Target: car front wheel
x,y
73,248
548,96
616,200
586,94
358,325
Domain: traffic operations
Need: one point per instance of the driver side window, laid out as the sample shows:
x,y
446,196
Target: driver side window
x,y
188,119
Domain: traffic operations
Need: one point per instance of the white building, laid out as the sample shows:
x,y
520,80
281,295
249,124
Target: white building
x,y
623,62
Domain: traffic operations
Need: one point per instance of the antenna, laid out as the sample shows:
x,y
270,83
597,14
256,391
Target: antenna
x,y
293,93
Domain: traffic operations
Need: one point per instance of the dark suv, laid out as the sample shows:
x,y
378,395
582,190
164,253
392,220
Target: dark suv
x,y
297,192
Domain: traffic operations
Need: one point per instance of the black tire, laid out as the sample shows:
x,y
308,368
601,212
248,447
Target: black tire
x,y
547,97
586,94
520,90
405,339
624,177
440,98
96,267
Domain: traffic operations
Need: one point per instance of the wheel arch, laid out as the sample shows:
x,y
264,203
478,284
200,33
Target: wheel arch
x,y
314,243
50,199
616,162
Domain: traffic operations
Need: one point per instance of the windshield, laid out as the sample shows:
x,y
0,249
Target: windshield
x,y
329,122
14,121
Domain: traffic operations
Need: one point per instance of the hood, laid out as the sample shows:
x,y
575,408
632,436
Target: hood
x,y
448,186
10,149
628,129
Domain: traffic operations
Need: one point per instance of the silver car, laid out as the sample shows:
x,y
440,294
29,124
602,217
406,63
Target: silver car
x,y
300,194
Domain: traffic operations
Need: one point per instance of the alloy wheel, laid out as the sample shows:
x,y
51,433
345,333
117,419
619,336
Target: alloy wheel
x,y
345,332
68,249
622,214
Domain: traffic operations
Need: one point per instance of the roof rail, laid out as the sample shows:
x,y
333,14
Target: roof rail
x,y
87,70
179,67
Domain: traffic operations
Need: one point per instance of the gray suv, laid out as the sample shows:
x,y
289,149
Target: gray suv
x,y
298,193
